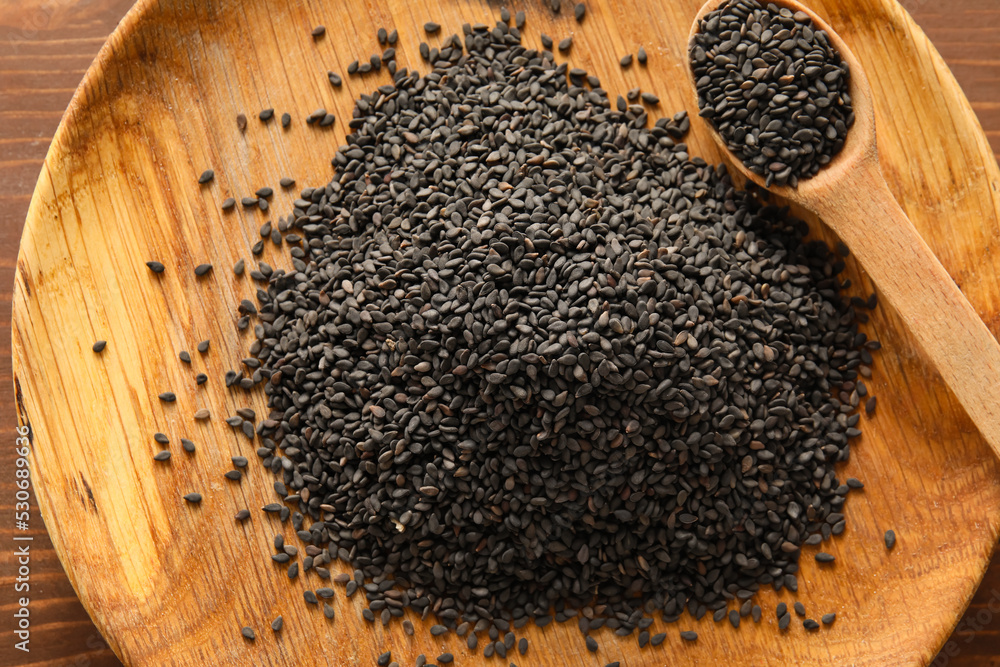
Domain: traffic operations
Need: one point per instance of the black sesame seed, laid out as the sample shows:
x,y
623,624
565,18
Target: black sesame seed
x,y
162,456
580,11
155,267
187,445
248,633
431,27
641,56
206,176
168,397
335,79
286,119
828,619
277,623
823,557
591,644
689,635
193,498
202,269
626,60
227,205
100,345
890,539
318,31
565,45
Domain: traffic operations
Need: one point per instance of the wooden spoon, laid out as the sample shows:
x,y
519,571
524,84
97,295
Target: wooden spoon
x,y
851,196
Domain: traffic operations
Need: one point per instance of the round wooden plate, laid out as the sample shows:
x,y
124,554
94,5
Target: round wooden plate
x,y
168,583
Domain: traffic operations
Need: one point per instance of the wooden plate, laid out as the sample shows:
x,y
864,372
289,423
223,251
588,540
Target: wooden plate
x,y
172,584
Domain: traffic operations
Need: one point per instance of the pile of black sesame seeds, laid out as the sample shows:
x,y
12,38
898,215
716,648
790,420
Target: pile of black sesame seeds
x,y
774,87
534,362
537,359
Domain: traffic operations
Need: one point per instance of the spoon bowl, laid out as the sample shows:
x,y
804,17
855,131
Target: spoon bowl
x,y
859,145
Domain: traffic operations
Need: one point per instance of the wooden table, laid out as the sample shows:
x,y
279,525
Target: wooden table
x,y
45,48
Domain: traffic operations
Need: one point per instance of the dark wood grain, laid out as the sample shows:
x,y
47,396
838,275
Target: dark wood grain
x,y
45,48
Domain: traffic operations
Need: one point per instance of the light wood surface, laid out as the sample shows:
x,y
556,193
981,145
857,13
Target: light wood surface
x,y
168,585
853,199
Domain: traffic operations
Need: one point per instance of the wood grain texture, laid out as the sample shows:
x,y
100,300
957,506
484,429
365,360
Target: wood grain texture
x,y
914,417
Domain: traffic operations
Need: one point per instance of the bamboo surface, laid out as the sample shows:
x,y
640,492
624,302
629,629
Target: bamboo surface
x,y
170,585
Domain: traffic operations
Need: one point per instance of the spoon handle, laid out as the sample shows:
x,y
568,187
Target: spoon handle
x,y
910,278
